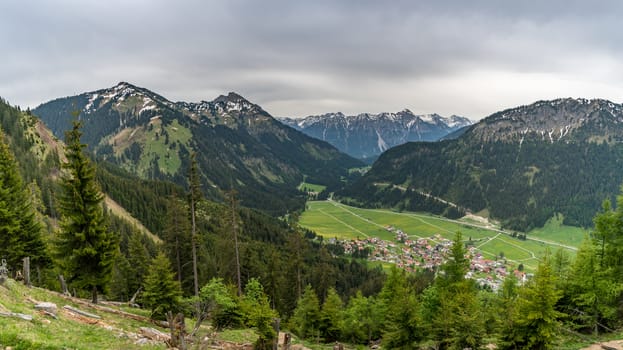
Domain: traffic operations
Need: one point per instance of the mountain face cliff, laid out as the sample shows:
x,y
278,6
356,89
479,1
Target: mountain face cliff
x,y
520,166
366,135
237,143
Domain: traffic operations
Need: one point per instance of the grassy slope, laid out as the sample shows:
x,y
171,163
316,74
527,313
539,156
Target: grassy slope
x,y
111,332
555,231
311,187
331,219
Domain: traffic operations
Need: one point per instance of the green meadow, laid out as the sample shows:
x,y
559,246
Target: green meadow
x,y
310,187
331,219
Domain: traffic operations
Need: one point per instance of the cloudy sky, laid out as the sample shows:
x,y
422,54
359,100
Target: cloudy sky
x,y
297,58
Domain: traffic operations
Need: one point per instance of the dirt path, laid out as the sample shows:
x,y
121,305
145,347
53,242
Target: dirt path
x,y
614,344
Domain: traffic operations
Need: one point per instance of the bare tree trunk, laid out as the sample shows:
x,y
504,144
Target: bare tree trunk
x,y
234,227
94,295
195,194
26,269
194,246
64,289
132,301
178,260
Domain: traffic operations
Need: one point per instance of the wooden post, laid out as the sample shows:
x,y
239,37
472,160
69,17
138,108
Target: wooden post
x,y
287,339
4,272
63,285
276,326
26,272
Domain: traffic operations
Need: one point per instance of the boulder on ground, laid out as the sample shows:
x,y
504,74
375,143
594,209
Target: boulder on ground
x,y
48,307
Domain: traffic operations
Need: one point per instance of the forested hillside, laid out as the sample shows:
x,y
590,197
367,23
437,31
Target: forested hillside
x,y
520,166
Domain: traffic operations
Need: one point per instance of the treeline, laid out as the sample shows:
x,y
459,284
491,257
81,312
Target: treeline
x,y
388,196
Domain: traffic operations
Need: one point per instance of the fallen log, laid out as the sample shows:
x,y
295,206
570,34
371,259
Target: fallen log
x,y
154,334
16,315
80,312
606,347
132,316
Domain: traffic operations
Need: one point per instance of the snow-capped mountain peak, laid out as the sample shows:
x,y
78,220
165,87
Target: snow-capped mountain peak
x,y
366,135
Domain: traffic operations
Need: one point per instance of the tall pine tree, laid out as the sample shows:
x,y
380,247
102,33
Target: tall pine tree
x,y
85,248
20,230
537,320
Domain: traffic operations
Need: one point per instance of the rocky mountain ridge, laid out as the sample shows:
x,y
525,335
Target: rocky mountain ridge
x,y
565,119
367,135
238,144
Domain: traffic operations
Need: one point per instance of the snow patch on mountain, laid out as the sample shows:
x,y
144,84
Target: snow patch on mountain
x,y
380,142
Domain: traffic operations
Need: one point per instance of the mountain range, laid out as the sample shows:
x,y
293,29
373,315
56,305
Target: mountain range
x,y
520,166
365,135
237,144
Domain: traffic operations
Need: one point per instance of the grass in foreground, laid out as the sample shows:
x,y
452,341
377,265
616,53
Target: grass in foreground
x,y
43,332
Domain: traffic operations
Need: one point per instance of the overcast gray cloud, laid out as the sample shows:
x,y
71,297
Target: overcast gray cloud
x,y
297,58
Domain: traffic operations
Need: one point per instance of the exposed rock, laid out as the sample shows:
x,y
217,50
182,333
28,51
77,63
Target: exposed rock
x,y
48,307
154,334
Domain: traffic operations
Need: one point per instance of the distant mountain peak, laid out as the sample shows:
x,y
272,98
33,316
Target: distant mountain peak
x,y
231,97
366,135
233,102
119,95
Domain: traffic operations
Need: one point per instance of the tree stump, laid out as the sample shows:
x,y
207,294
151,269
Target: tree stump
x,y
178,331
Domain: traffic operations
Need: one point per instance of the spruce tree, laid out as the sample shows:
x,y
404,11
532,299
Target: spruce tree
x,y
177,242
256,309
121,279
593,295
331,316
161,292
537,322
20,230
402,326
85,249
360,323
454,315
306,318
138,259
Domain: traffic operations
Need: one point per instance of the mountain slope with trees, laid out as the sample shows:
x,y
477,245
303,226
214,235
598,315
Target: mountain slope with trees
x,y
520,166
238,144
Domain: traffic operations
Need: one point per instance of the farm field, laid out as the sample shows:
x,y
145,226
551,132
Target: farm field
x,y
335,220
